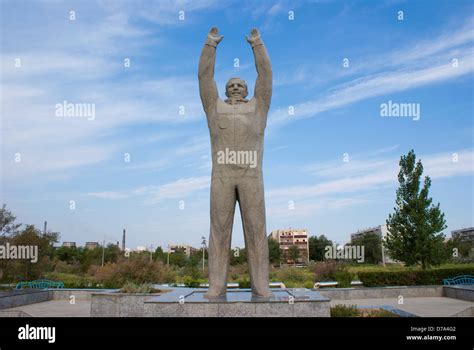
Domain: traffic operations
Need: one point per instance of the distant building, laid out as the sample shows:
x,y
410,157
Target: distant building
x,y
69,244
141,248
292,237
380,231
464,234
186,249
92,245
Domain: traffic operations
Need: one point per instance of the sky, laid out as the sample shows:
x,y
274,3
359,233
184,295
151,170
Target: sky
x,y
142,162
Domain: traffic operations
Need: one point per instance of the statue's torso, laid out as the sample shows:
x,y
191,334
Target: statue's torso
x,y
236,130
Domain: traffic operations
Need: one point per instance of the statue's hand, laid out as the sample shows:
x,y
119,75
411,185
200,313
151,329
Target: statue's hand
x,y
214,36
254,38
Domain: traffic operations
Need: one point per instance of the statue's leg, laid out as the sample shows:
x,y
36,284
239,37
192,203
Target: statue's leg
x,y
252,208
222,218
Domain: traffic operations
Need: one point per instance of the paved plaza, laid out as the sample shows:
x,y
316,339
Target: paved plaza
x,y
420,306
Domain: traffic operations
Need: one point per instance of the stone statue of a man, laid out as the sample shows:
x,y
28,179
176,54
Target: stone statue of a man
x,y
237,127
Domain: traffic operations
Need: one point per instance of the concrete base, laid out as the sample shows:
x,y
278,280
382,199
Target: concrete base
x,y
18,297
463,292
187,302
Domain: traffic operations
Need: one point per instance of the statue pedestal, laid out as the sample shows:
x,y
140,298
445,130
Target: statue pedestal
x,y
188,302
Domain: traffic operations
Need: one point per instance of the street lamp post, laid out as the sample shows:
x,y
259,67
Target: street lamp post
x,y
203,250
168,263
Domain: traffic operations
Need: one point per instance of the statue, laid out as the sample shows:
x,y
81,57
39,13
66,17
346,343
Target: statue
x,y
237,127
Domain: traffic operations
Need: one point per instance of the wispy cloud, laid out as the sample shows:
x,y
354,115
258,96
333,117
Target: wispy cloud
x,y
374,173
153,194
395,72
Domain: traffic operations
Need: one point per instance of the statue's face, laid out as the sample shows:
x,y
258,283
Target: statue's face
x,y
236,88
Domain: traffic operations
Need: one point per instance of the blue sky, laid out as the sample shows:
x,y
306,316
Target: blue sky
x,y
161,195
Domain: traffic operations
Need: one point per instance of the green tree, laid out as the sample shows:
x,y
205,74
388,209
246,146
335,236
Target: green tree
x,y
24,269
160,255
178,258
372,244
7,222
293,253
414,230
274,252
317,247
238,256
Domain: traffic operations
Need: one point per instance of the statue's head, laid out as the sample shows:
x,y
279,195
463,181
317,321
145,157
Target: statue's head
x,y
236,88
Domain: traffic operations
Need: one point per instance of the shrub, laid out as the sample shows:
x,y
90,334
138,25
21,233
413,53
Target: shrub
x,y
131,287
244,284
192,282
71,280
343,278
377,313
138,270
344,311
331,270
292,276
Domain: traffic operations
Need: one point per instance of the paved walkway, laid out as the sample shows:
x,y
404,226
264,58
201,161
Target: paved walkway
x,y
422,306
57,308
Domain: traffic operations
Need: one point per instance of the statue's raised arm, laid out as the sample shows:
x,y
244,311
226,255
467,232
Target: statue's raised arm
x,y
207,84
263,86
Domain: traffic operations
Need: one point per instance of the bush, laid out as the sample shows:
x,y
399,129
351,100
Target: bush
x,y
411,277
134,269
71,280
343,278
192,282
292,276
341,310
131,287
331,270
244,284
344,311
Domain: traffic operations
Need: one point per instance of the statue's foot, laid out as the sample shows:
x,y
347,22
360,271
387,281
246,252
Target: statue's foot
x,y
262,293
213,294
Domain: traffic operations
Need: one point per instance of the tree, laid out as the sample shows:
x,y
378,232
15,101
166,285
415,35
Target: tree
x,y
238,256
274,252
27,269
414,230
293,253
178,258
159,255
372,244
7,222
317,247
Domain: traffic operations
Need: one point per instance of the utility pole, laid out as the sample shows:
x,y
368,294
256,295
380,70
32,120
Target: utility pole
x,y
123,240
168,263
383,253
151,253
203,251
45,226
103,253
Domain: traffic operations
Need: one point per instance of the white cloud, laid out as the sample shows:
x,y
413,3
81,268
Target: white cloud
x,y
372,174
425,63
153,194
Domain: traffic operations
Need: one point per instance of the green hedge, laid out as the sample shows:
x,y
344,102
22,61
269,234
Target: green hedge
x,y
411,277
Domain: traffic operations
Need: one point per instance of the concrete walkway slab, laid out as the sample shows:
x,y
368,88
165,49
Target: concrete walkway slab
x,y
56,308
421,306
